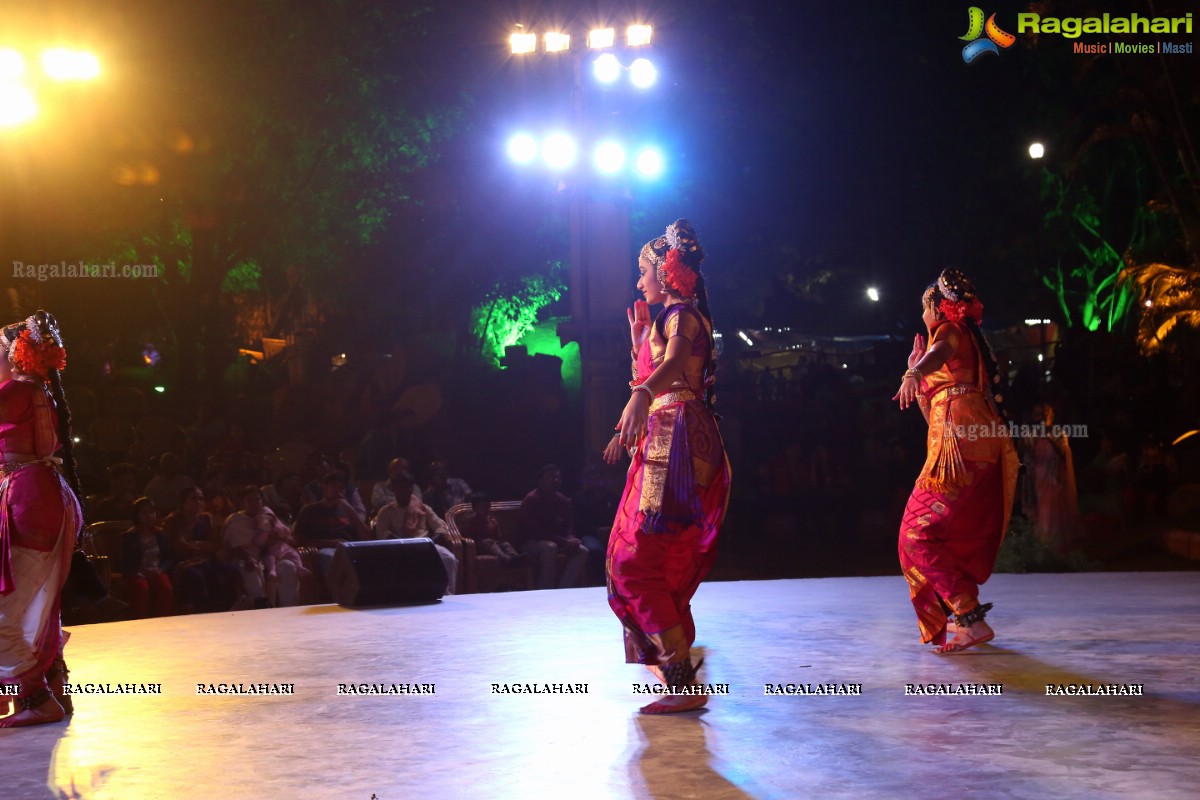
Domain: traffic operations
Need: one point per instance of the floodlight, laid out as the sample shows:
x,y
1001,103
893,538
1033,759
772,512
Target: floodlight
x,y
523,43
873,294
610,157
606,68
557,42
522,148
559,151
638,35
61,64
17,105
12,65
643,73
1036,150
601,38
649,163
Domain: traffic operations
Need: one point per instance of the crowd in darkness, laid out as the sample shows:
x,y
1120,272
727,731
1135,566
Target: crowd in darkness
x,y
220,495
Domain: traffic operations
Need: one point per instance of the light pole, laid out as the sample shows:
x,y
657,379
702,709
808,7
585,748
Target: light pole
x,y
596,171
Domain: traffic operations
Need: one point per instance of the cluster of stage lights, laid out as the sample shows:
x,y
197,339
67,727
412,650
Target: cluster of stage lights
x,y
525,41
18,103
560,153
607,68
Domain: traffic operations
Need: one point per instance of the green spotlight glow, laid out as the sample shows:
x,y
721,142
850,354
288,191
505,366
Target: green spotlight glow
x,y
542,339
160,389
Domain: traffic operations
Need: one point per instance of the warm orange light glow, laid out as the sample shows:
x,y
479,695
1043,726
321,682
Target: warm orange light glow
x,y
638,35
12,65
557,42
523,43
17,105
1184,436
602,37
61,64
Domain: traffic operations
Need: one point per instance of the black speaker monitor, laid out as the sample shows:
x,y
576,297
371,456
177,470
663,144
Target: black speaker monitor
x,y
386,572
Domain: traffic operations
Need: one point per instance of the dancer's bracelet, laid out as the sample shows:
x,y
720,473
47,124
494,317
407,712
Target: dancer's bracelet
x,y
641,387
912,372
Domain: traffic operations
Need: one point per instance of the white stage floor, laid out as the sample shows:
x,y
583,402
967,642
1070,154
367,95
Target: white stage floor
x,y
467,742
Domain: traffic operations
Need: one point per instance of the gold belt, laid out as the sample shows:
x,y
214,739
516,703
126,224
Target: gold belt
x,y
667,398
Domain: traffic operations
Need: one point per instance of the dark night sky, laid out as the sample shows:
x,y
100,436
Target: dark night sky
x,y
847,136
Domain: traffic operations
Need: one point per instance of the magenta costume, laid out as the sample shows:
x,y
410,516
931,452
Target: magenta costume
x,y
39,523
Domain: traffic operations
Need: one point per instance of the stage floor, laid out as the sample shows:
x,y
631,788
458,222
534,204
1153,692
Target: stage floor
x,y
465,741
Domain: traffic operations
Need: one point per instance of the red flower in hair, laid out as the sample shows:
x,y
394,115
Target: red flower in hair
x,y
958,311
33,358
680,276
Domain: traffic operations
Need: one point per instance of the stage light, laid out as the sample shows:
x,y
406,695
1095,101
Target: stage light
x,y
610,157
873,294
1036,150
557,42
638,35
643,73
61,64
606,68
12,65
559,151
17,105
160,389
649,163
523,43
600,38
522,148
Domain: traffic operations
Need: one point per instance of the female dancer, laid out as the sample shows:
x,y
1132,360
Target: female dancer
x,y
663,540
39,519
958,512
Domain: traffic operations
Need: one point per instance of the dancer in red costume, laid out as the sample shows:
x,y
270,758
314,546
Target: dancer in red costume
x,y
39,520
958,512
664,538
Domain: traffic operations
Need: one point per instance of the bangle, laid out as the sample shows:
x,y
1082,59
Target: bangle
x,y
912,372
641,387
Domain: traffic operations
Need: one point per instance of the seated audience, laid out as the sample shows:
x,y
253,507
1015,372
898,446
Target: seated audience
x,y
243,531
167,485
483,528
145,561
444,492
285,496
547,528
407,517
118,503
383,492
204,582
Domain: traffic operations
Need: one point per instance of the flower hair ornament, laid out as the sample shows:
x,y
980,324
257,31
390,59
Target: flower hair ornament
x,y
959,300
31,349
667,254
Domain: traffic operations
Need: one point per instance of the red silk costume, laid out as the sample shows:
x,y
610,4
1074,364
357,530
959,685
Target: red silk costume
x,y
958,511
39,522
664,537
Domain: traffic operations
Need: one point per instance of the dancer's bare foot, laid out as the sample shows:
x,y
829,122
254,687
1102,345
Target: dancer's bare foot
x,y
977,633
675,703
45,712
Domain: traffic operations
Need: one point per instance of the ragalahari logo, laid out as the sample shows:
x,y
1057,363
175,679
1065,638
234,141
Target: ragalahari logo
x,y
976,28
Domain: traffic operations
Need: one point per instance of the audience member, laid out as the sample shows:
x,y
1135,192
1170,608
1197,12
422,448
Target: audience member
x,y
241,537
484,529
444,492
547,529
407,517
384,493
145,560
118,503
166,487
331,519
202,580
285,496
